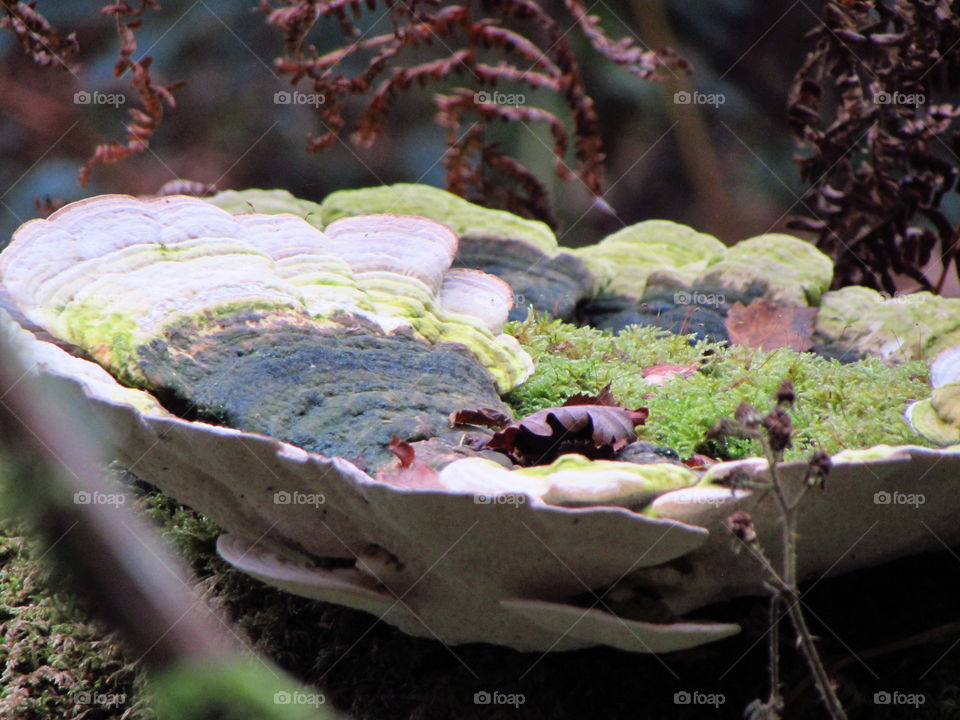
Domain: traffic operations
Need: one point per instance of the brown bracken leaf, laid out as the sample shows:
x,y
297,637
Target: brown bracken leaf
x,y
767,326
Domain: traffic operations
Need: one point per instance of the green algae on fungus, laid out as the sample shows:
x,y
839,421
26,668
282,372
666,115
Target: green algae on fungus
x,y
522,252
839,406
916,326
658,256
465,218
267,202
938,417
783,268
267,324
571,480
626,259
329,390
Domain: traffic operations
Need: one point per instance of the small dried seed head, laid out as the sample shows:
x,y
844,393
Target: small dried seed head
x,y
779,429
785,395
820,465
741,525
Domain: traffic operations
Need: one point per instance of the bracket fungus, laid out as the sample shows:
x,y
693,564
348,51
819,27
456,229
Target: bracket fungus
x,y
256,366
522,252
937,418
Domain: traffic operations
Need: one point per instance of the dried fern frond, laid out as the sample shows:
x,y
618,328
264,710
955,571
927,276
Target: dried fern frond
x,y
38,38
143,123
878,152
478,45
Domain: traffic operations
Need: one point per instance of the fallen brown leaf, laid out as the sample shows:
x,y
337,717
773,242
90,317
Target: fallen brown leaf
x,y
662,374
484,417
403,451
767,326
596,431
411,473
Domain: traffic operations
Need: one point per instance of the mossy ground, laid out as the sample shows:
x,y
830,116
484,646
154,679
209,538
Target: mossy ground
x,y
838,406
54,661
50,650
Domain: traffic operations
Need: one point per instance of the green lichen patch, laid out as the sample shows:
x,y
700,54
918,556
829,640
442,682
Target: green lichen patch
x,y
268,202
839,406
625,260
463,217
925,419
916,326
577,480
790,270
571,480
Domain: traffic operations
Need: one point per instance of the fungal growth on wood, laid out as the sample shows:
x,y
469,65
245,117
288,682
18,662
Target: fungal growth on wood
x,y
322,382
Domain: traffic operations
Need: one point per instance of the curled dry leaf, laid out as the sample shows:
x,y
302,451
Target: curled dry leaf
x,y
767,326
484,417
410,472
597,431
403,451
604,397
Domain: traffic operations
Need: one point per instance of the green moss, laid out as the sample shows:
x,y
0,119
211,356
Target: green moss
x,y
839,406
236,689
54,661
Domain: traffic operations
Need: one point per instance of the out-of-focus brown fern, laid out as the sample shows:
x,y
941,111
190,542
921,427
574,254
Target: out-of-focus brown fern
x,y
143,122
482,44
38,38
879,153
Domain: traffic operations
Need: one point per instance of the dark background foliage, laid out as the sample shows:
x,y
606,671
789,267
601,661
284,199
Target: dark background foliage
x,y
725,169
